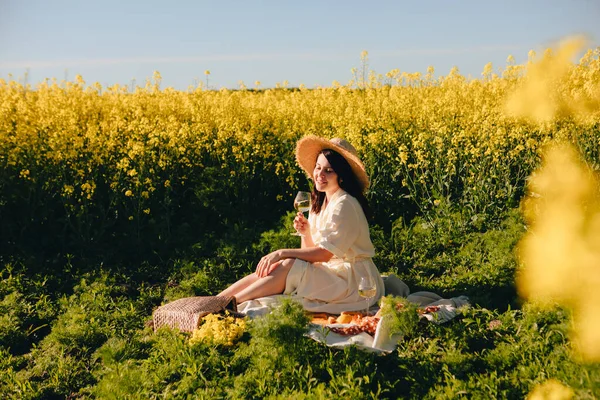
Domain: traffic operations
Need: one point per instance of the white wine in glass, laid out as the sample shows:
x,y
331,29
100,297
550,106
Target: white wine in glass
x,y
302,204
367,289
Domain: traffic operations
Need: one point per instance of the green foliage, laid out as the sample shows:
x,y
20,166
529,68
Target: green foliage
x,y
160,365
275,345
111,355
191,279
13,310
446,254
485,351
100,308
285,323
92,342
25,310
401,313
279,238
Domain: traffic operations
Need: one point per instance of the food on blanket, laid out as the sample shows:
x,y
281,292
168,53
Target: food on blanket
x,y
366,324
344,319
420,310
428,309
369,325
322,318
356,318
352,313
347,330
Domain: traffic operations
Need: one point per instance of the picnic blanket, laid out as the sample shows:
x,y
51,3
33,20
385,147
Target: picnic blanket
x,y
438,310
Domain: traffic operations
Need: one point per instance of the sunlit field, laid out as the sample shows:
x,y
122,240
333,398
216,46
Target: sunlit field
x,y
115,200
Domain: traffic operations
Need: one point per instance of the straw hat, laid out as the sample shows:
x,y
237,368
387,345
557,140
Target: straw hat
x,y
309,147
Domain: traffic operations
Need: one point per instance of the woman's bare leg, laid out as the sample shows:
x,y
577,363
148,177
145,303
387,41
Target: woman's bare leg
x,y
274,283
239,285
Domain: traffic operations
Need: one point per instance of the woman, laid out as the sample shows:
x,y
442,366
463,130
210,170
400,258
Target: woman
x,y
336,248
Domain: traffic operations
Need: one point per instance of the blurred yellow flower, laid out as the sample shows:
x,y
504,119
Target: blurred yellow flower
x,y
539,97
551,390
488,69
561,251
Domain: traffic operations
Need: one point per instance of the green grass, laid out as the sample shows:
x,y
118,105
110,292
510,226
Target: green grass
x,y
90,341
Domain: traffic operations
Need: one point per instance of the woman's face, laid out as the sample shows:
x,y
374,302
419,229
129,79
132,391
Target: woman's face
x,y
325,178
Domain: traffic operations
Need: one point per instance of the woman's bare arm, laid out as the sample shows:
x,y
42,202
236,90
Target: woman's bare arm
x,y
311,254
272,260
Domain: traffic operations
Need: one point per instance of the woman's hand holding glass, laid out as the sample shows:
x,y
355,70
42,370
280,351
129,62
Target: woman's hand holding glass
x,y
302,204
301,224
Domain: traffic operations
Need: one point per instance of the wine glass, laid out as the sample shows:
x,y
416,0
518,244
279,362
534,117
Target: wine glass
x,y
302,204
367,289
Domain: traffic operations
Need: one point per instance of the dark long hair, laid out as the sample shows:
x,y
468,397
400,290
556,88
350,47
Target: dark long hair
x,y
346,179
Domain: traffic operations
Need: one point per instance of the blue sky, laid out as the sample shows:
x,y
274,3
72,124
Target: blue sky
x,y
304,42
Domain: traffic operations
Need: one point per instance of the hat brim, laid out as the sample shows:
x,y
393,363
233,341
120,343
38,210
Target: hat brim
x,y
309,147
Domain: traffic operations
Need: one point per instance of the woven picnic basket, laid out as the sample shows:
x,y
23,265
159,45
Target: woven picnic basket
x,y
184,314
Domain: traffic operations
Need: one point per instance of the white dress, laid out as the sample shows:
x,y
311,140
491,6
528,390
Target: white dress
x,y
332,286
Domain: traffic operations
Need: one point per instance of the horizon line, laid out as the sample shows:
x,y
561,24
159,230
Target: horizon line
x,y
249,57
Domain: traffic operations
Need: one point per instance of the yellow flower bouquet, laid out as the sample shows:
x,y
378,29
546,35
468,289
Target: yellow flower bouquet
x,y
219,329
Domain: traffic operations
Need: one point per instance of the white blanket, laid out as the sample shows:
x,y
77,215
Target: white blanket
x,y
382,341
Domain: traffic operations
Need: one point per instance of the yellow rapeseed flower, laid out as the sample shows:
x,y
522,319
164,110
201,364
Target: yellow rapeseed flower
x,y
68,190
539,97
561,251
551,390
217,329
